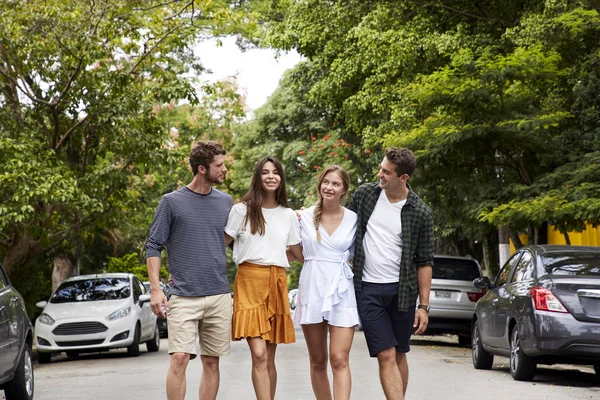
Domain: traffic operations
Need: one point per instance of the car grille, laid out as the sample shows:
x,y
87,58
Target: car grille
x,y
80,343
80,328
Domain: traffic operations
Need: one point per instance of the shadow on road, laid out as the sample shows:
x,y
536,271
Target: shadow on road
x,y
561,375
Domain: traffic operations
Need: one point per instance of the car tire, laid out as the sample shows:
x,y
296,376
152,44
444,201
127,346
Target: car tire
x,y
522,367
44,358
133,350
153,344
21,387
481,358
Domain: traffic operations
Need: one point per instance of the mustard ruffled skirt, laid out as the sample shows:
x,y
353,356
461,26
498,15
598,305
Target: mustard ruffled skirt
x,y
260,304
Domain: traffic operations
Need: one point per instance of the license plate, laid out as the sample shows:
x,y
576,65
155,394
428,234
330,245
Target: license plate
x,y
442,294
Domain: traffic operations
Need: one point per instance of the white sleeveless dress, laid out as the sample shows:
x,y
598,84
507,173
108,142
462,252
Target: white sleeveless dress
x,y
326,288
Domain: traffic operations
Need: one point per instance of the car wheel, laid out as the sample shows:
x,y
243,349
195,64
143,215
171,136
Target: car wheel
x,y
134,348
522,367
44,358
154,344
21,387
72,354
481,358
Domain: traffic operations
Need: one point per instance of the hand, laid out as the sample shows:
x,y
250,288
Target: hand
x,y
421,321
159,303
298,212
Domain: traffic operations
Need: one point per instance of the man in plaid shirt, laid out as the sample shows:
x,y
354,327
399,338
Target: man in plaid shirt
x,y
393,264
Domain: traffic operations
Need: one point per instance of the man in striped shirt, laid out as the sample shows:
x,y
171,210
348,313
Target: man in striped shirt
x,y
189,223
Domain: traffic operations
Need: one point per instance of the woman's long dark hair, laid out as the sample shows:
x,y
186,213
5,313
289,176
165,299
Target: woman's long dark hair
x,y
256,194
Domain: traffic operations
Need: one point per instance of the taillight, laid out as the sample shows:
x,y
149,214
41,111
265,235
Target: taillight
x,y
545,300
474,296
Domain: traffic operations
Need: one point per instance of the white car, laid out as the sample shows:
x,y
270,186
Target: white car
x,y
91,313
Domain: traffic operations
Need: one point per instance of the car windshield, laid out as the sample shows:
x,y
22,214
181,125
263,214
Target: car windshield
x,y
572,263
92,290
455,268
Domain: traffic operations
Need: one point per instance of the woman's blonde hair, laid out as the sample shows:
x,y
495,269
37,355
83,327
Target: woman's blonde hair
x,y
319,206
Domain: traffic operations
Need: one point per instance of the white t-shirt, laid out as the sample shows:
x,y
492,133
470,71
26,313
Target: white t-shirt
x,y
383,242
281,230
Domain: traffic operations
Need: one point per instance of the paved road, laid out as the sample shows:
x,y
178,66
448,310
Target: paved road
x,y
440,370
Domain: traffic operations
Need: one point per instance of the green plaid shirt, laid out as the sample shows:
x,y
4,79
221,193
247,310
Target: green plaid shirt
x,y
417,239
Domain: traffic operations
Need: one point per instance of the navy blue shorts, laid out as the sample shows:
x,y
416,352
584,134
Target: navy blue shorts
x,y
383,324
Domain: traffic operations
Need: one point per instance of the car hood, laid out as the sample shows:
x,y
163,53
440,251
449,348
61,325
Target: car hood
x,y
85,308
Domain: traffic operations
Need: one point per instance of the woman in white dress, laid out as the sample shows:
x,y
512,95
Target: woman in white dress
x,y
326,301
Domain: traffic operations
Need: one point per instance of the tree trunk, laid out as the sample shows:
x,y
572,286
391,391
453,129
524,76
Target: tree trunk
x,y
514,236
567,238
503,245
63,269
19,254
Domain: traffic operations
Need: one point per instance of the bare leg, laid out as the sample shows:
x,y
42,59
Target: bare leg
x,y
339,354
316,341
260,373
402,363
389,374
176,376
271,349
209,382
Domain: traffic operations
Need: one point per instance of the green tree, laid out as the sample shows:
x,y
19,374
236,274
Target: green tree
x,y
80,84
495,97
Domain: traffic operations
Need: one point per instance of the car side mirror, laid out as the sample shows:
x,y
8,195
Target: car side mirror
x,y
144,298
482,283
41,304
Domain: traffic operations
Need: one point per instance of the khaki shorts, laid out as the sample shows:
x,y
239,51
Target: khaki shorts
x,y
205,317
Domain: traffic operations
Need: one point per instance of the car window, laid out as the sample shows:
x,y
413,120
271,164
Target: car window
x,y
3,279
504,273
95,289
137,290
524,269
572,263
455,268
142,286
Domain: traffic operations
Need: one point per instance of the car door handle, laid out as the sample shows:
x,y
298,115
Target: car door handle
x,y
2,309
511,298
494,302
15,299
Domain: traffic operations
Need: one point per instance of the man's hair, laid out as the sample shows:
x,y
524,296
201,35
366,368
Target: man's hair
x,y
204,154
403,158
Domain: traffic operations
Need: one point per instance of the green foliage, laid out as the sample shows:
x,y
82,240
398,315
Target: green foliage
x,y
82,140
498,100
130,263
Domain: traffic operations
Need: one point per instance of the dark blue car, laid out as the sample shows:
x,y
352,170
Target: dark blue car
x,y
543,307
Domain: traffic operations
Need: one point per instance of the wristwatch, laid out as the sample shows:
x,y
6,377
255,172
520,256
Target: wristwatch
x,y
425,307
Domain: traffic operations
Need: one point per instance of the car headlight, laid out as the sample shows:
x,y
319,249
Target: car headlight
x,y
122,313
46,319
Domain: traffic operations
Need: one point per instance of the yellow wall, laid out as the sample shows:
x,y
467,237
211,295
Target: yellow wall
x,y
589,237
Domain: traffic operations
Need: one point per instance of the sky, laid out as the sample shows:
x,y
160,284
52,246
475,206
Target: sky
x,y
257,71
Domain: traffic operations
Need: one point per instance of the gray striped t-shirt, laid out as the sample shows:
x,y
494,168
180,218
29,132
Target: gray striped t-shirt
x,y
191,225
